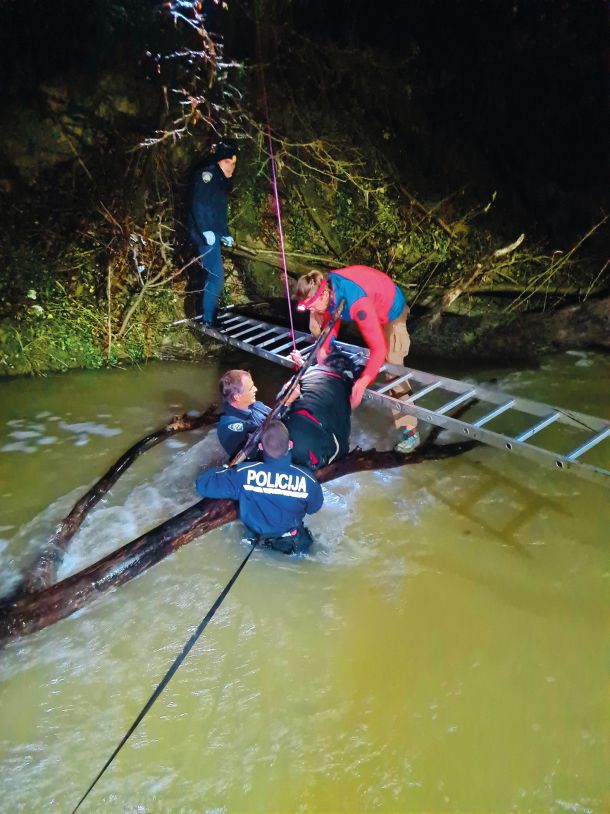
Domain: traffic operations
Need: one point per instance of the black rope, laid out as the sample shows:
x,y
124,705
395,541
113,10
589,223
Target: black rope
x,y
173,669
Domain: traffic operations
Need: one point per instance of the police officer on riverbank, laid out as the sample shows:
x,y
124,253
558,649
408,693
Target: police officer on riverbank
x,y
207,219
274,495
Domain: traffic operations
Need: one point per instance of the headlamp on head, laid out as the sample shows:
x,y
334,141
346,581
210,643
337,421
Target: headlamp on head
x,y
305,304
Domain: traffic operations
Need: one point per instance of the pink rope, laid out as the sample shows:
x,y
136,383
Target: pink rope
x,y
277,206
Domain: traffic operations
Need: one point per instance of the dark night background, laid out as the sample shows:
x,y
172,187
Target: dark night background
x,y
449,128
508,96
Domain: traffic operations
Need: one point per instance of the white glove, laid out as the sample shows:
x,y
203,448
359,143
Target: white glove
x,y
227,240
210,238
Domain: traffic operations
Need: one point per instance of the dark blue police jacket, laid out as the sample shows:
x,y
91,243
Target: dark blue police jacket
x,y
207,208
234,425
274,495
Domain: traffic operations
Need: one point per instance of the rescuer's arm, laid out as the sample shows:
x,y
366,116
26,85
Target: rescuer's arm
x,y
363,313
224,482
315,499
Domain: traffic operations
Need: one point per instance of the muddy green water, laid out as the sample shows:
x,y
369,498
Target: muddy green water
x,y
444,648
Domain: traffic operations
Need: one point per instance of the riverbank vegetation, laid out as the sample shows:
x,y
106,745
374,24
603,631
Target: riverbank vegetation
x,y
453,162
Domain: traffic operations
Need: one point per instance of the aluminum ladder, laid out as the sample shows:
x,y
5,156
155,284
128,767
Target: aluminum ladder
x,y
493,417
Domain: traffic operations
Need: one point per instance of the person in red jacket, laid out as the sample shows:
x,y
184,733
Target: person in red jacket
x,y
375,303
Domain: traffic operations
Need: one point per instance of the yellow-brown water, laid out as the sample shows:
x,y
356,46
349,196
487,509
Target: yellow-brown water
x,y
444,648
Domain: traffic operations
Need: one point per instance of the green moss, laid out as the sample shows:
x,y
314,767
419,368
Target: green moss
x,y
63,331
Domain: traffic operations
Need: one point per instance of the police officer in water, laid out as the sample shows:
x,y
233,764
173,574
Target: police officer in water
x,y
207,219
274,495
242,414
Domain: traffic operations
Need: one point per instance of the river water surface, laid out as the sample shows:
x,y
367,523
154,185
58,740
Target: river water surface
x,y
444,648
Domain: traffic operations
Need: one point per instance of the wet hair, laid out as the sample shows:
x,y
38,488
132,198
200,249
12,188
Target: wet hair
x,y
231,385
275,439
308,284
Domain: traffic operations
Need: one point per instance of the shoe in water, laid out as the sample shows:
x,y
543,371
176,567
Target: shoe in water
x,y
407,442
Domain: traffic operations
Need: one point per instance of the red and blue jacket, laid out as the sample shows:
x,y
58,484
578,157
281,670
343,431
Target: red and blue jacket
x,y
372,299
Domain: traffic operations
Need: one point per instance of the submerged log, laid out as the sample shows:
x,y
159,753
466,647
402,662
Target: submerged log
x,y
43,570
32,612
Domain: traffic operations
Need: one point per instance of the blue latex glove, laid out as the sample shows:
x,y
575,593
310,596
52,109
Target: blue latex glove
x,y
210,238
227,240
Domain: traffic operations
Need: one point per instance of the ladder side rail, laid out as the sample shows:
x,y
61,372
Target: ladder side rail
x,y
494,439
572,418
522,405
476,430
237,343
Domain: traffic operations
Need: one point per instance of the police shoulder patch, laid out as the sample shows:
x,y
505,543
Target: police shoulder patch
x,y
237,426
206,176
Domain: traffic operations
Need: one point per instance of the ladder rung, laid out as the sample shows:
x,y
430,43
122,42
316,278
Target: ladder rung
x,y
494,413
540,425
244,331
454,402
393,383
279,335
253,339
227,319
591,442
423,392
283,347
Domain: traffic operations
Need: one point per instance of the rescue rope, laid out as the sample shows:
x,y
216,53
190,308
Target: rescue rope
x,y
170,673
276,197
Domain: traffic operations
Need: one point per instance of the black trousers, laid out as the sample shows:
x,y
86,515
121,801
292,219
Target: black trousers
x,y
295,541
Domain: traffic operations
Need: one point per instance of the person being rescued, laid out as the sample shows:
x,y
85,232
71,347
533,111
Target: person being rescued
x,y
319,419
375,303
274,494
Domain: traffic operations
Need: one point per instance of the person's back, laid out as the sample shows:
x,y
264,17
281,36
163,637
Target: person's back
x,y
319,420
354,282
274,494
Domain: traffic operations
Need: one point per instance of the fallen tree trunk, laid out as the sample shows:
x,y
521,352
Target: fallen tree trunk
x,y
43,570
32,612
